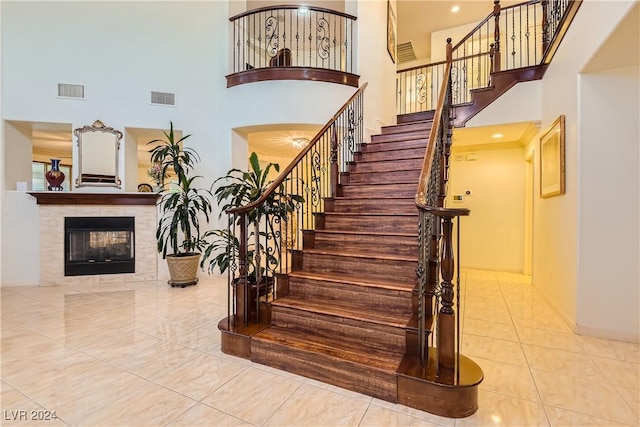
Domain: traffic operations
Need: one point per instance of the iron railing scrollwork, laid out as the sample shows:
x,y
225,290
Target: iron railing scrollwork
x,y
509,38
265,236
293,36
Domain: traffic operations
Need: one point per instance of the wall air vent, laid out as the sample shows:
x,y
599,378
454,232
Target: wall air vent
x,y
70,91
163,98
406,52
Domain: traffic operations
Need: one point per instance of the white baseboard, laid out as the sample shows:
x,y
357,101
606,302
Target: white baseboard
x,y
603,333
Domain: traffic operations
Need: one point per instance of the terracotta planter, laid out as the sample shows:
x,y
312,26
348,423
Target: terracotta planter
x,y
183,269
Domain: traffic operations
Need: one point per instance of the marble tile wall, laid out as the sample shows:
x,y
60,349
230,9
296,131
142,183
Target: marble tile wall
x,y
52,243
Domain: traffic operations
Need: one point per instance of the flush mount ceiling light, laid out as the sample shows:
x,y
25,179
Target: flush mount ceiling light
x,y
497,135
300,142
454,9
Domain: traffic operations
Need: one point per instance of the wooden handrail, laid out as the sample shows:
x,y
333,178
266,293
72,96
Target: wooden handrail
x,y
282,7
280,179
417,67
425,172
433,64
465,38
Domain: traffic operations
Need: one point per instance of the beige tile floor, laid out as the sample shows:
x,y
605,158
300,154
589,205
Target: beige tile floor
x,y
133,354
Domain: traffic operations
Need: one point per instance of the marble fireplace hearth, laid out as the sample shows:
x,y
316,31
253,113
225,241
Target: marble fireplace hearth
x,y
55,206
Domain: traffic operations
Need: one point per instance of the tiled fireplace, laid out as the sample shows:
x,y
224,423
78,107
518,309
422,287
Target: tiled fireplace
x,y
54,207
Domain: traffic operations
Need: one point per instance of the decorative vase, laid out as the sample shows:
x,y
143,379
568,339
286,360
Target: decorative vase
x,y
54,176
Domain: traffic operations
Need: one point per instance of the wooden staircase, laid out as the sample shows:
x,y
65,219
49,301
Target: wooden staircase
x,y
349,312
345,306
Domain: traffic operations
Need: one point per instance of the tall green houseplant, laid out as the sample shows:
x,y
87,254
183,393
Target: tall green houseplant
x,y
182,207
236,189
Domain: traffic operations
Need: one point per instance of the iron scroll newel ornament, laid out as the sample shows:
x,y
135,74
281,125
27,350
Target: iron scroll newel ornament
x,y
98,149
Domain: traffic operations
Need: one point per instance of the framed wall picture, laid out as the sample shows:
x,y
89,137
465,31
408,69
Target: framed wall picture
x,y
391,32
552,172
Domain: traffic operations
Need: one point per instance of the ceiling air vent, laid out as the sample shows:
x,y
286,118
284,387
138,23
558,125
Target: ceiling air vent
x,y
406,52
70,91
163,98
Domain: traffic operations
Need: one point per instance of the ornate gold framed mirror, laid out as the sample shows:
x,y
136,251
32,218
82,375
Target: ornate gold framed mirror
x,y
98,147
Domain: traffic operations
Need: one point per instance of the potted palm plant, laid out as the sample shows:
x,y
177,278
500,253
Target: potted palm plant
x,y
236,189
181,209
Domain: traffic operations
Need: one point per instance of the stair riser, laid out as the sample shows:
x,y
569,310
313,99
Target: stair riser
x,y
390,206
415,117
394,145
404,136
391,300
378,223
388,166
345,374
373,244
380,191
413,153
378,340
411,176
360,268
413,127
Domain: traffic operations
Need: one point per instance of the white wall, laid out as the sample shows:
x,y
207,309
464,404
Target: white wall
x,y
19,151
373,64
20,239
492,236
609,237
556,261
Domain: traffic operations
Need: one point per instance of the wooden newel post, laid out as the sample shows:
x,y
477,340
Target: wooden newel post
x,y
449,50
242,287
333,159
447,320
496,35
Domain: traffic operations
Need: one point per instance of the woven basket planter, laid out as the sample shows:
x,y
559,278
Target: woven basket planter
x,y
183,270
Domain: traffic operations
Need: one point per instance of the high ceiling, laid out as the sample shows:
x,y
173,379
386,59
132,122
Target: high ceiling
x,y
416,20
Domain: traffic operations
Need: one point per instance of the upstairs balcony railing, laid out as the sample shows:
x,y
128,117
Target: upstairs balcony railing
x,y
293,42
514,37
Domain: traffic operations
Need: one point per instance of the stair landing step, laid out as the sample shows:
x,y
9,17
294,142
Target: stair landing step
x,y
333,348
353,312
340,278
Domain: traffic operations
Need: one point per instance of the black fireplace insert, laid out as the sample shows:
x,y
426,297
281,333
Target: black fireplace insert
x,y
99,245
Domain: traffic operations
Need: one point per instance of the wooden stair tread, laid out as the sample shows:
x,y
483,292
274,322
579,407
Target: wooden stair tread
x,y
341,278
332,348
343,309
359,254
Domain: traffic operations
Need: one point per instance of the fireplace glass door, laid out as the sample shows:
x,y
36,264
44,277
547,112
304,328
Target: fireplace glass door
x,y
99,245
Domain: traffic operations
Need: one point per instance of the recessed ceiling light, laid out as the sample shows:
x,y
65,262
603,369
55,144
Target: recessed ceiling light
x,y
454,9
300,142
497,135
303,10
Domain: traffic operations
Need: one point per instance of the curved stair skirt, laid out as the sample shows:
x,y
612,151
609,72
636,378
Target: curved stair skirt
x,y
417,387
